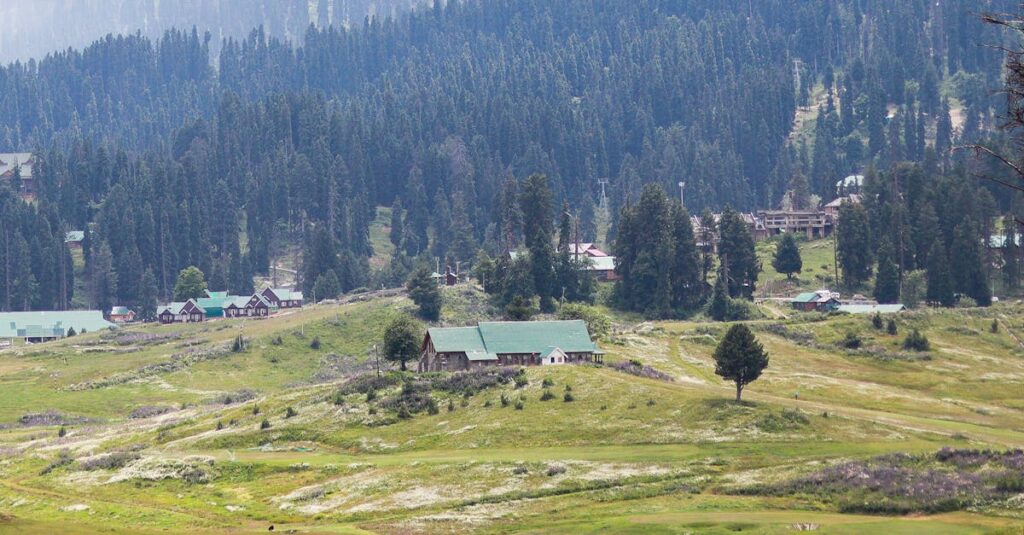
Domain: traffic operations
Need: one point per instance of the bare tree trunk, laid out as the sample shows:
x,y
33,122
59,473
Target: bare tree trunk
x,y
739,391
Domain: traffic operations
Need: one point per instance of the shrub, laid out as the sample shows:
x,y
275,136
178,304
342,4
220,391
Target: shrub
x,y
371,395
547,383
238,345
851,341
277,340
519,404
597,322
255,410
265,424
471,382
63,459
110,461
568,397
220,425
432,407
876,321
547,395
890,327
403,412
339,398
520,470
62,432
365,383
635,367
290,412
488,403
504,400
555,469
915,341
520,379
451,406
149,411
994,328
650,403
315,343
568,388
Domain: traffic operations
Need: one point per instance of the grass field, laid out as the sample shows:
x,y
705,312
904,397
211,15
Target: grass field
x,y
627,455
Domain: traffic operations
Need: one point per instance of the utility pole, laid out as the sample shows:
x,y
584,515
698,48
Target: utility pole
x,y
376,358
681,186
604,198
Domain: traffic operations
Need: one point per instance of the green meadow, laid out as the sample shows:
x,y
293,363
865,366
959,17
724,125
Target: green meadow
x,y
166,429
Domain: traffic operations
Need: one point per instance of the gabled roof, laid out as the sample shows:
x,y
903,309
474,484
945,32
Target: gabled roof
x,y
119,311
74,236
11,160
177,308
216,294
284,294
213,302
821,296
871,309
242,301
50,324
602,263
487,340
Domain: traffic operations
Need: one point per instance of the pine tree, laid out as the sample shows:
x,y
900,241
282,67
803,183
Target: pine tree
x,y
967,264
940,281
737,254
423,291
102,277
787,257
327,286
536,204
740,358
396,232
887,284
146,308
853,244
719,307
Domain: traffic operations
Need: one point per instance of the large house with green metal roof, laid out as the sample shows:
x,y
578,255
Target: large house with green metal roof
x,y
507,343
282,297
51,325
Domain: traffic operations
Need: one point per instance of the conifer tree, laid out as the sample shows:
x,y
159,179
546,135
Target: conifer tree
x,y
853,244
736,252
887,284
787,257
740,358
424,291
535,202
396,232
940,281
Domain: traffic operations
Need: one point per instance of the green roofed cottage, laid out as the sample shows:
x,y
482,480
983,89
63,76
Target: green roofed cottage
x,y
507,343
43,326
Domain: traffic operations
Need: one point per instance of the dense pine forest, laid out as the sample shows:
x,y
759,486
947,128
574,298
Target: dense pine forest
x,y
172,155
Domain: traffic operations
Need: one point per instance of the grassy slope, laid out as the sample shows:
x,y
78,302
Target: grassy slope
x,y
640,455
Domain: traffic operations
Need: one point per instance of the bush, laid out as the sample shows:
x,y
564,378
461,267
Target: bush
x,y
547,395
890,327
110,461
555,469
339,398
265,424
635,367
62,432
519,404
277,340
290,412
547,383
365,383
851,341
238,345
915,341
651,403
451,406
403,412
371,395
149,411
63,459
432,407
255,410
504,400
315,344
220,425
520,470
876,321
520,379
471,382
598,323
568,397
994,328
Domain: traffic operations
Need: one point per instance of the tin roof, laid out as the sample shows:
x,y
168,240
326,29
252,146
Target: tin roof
x,y
50,323
488,339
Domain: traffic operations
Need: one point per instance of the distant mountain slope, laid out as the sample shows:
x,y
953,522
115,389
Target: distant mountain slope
x,y
33,28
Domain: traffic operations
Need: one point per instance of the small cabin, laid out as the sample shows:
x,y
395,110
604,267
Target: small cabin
x,y
187,312
282,297
254,306
820,301
121,315
508,343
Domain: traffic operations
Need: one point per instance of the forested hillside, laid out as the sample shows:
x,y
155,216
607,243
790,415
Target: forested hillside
x,y
34,28
283,143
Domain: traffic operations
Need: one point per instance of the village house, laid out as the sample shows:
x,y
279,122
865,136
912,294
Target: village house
x,y
507,343
603,268
187,312
73,239
820,301
121,315
20,164
282,298
588,249
42,326
812,223
254,306
755,224
832,209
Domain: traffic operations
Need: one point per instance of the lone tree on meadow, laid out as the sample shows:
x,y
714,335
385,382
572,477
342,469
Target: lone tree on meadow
x,y
787,257
402,338
191,284
740,358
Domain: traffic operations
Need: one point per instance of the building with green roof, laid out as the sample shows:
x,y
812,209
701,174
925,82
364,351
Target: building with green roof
x,y
507,343
49,325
